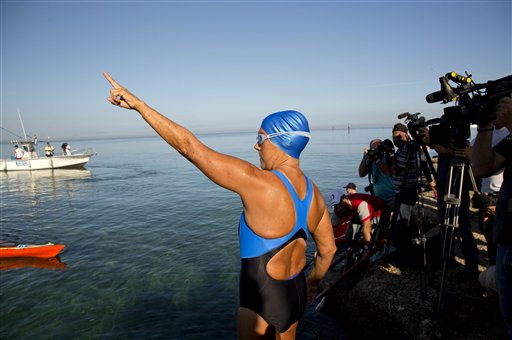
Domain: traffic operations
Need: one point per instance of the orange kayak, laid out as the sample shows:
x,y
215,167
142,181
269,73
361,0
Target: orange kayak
x,y
31,250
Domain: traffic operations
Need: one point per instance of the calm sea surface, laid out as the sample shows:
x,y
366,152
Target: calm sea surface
x,y
151,244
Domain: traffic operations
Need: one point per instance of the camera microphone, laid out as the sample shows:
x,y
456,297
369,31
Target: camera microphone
x,y
403,115
435,97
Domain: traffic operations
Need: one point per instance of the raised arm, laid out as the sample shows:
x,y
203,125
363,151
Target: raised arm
x,y
229,172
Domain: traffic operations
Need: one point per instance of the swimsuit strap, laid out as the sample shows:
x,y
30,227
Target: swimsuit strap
x,y
253,245
301,206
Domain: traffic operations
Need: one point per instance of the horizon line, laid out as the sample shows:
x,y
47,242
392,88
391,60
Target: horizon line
x,y
203,132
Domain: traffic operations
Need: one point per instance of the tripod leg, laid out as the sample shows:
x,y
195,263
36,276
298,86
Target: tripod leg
x,y
448,237
452,199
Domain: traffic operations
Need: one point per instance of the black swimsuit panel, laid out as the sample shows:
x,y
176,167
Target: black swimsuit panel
x,y
280,302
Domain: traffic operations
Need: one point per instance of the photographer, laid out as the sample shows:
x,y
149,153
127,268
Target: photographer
x,y
489,161
376,163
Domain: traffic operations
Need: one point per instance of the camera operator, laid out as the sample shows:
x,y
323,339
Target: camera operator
x,y
446,153
404,228
489,161
485,202
376,163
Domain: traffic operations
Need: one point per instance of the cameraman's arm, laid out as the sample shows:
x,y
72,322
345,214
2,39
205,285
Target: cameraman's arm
x,y
486,162
363,171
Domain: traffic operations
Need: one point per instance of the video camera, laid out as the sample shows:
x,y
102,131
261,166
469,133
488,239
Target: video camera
x,y
475,103
414,123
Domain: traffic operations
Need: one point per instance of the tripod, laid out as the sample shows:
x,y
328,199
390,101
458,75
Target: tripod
x,y
452,199
413,158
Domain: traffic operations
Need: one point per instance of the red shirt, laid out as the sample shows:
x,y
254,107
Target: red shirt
x,y
366,206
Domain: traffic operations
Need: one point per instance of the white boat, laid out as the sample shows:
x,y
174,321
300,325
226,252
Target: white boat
x,y
31,161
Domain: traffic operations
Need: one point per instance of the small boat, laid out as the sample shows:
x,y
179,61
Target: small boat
x,y
29,159
48,250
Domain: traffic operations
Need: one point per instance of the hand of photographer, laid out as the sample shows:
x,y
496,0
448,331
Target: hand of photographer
x,y
365,153
463,153
424,135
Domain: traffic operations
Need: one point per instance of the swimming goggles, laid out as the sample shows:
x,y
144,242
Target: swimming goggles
x,y
262,137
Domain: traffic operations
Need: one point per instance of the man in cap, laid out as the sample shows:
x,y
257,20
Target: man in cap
x,y
350,188
406,183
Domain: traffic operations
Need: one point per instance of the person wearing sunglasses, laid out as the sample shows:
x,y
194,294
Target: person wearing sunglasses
x,y
281,209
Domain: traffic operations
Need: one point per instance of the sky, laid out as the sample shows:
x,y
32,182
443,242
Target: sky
x,y
220,66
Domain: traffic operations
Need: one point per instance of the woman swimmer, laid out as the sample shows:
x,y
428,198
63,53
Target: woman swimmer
x,y
281,208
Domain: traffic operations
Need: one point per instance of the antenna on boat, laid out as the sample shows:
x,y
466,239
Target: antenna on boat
x,y
22,126
12,133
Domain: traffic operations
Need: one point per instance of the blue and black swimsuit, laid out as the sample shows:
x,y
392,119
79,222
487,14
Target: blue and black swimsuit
x,y
280,302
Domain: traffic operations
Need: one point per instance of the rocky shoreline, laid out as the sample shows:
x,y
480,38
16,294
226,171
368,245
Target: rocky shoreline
x,y
389,300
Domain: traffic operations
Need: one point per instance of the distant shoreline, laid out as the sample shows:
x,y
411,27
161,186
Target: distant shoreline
x,y
198,133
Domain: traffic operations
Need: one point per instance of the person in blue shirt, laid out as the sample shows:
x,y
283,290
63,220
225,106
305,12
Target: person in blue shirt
x,y
376,164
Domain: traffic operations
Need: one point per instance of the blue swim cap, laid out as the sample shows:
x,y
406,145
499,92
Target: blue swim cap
x,y
287,121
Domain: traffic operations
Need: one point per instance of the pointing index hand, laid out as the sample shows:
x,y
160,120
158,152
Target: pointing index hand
x,y
111,80
120,96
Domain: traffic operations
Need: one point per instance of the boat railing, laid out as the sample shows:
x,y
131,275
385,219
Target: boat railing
x,y
83,152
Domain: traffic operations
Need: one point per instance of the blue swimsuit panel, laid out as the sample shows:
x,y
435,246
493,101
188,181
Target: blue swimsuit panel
x,y
252,245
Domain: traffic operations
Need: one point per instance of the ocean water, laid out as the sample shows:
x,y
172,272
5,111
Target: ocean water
x,y
151,244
